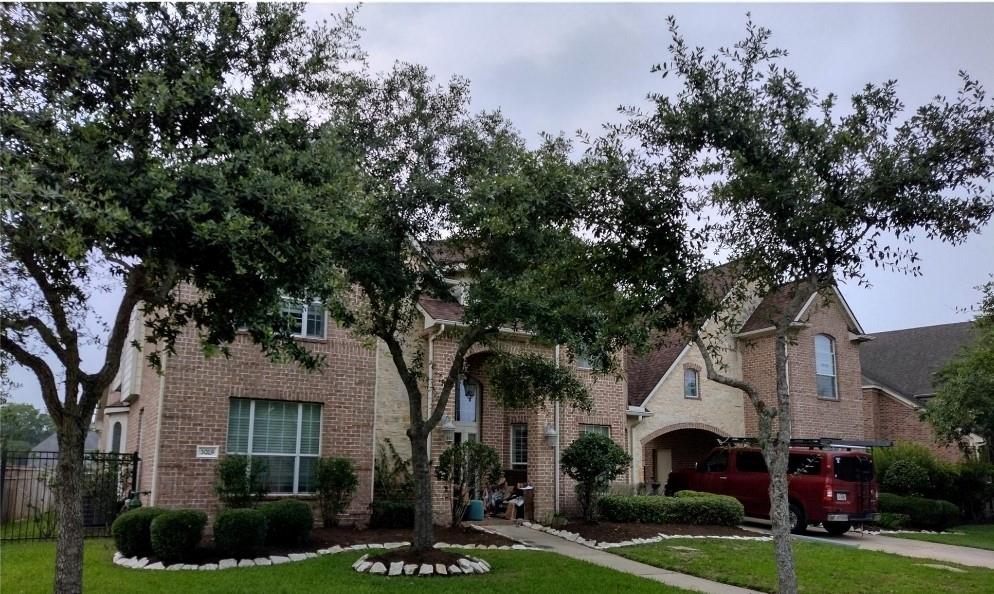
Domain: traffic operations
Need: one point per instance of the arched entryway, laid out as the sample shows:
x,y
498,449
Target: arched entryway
x,y
674,447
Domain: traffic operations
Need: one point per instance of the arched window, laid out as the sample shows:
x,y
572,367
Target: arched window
x,y
115,438
825,367
691,383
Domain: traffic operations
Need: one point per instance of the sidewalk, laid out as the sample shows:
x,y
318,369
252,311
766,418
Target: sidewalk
x,y
605,559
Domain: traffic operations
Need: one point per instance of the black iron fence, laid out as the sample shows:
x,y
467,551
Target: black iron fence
x,y
27,492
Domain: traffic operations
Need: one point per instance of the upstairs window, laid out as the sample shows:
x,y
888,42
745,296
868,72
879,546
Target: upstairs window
x,y
825,367
691,383
306,320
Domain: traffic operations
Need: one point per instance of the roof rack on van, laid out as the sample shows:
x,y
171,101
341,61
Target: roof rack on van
x,y
825,443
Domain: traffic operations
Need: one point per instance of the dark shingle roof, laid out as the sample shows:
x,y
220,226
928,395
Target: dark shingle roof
x,y
442,310
906,360
769,308
645,372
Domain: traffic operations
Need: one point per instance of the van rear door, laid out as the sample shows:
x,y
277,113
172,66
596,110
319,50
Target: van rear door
x,y
854,478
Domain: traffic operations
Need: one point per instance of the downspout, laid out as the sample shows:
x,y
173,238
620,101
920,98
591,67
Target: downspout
x,y
431,375
159,413
555,505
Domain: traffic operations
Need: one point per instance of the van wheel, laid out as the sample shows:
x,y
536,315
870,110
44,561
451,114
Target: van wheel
x,y
798,523
836,528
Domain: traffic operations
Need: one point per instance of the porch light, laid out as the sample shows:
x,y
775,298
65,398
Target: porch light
x,y
550,435
448,429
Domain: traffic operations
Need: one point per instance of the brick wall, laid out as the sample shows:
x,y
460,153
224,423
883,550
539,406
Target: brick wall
x,y
812,416
899,421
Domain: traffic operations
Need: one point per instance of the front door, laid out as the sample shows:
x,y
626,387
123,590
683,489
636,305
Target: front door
x,y
468,411
663,465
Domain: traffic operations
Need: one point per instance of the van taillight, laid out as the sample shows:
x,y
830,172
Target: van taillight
x,y
829,496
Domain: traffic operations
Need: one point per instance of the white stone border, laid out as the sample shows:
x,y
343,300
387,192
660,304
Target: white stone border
x,y
574,537
465,566
886,532
143,563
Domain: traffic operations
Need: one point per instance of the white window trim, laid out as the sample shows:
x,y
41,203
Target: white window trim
x,y
594,428
296,455
305,307
835,369
514,449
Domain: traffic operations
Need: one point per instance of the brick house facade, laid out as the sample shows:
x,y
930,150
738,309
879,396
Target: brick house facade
x,y
663,411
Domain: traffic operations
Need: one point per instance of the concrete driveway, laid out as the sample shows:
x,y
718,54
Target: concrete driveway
x,y
899,546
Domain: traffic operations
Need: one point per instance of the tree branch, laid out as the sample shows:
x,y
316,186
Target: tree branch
x,y
716,376
472,336
49,392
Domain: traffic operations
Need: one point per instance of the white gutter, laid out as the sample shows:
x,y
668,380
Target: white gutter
x,y
431,375
555,505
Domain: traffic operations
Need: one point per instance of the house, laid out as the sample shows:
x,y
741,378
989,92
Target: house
x,y
662,410
898,372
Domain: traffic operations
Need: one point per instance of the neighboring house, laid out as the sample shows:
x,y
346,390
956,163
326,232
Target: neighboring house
x,y
898,372
664,411
51,443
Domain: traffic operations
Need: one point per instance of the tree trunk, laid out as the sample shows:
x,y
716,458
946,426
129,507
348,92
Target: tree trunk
x,y
778,454
424,525
69,506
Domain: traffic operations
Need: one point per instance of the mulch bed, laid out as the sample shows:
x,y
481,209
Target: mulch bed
x,y
323,538
617,532
407,556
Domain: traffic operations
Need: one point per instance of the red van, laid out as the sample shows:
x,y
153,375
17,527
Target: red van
x,y
832,487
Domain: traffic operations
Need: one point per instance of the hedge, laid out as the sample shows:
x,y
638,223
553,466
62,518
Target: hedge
x,y
391,514
687,507
131,531
928,514
175,533
289,521
240,532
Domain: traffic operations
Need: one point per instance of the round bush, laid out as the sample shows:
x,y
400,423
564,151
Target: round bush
x,y
240,533
131,531
175,533
289,521
905,477
686,508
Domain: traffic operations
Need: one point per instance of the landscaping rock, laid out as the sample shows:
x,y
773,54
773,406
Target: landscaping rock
x,y
279,559
454,569
396,568
246,563
358,561
375,546
358,547
410,569
189,566
175,567
263,561
227,564
442,545
208,567
334,549
156,565
297,556
440,569
393,545
518,547
310,555
378,568
426,569
466,566
141,563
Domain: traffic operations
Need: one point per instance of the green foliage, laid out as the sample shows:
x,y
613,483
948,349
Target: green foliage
x,y
132,531
240,482
22,426
175,533
939,483
336,483
685,508
289,522
593,461
964,400
391,514
928,514
240,533
892,521
905,477
392,475
974,489
529,379
467,467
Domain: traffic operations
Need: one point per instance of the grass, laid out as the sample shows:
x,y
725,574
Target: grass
x,y
29,566
977,536
821,568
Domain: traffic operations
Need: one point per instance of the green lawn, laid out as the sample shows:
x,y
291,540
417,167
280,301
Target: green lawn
x,y
821,568
28,567
978,536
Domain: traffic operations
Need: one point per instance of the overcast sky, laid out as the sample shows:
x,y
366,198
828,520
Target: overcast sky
x,y
563,67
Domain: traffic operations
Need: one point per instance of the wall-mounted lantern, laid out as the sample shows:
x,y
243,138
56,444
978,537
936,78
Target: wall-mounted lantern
x,y
551,435
448,429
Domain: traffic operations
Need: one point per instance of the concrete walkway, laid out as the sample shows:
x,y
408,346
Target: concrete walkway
x,y
605,559
918,549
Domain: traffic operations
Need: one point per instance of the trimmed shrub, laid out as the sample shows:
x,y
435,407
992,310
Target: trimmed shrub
x,y
131,531
239,481
289,521
240,532
336,484
941,475
890,521
175,533
687,507
905,477
927,514
593,461
391,514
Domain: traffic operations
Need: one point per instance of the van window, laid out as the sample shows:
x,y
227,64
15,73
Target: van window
x,y
804,464
747,461
716,462
854,469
